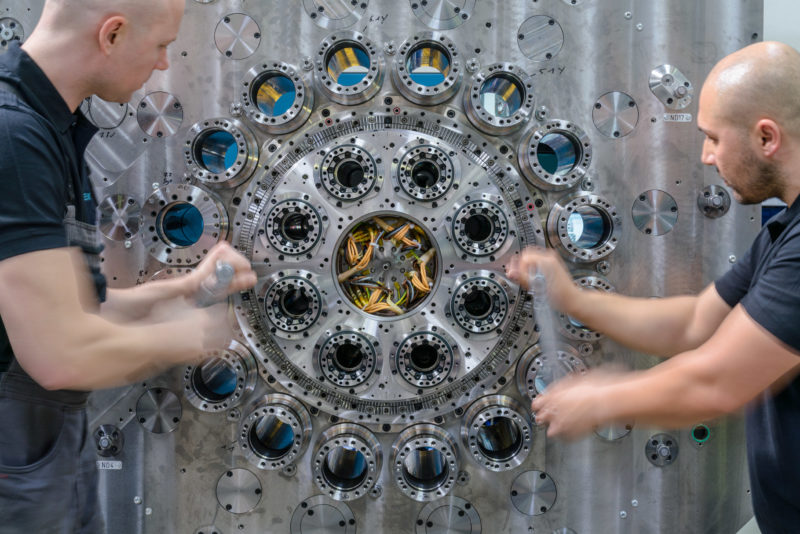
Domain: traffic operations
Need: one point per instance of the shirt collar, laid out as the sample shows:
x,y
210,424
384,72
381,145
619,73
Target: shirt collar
x,y
18,68
779,223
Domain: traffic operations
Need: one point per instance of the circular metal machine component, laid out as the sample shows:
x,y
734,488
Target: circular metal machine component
x,y
500,99
275,432
386,265
349,68
615,114
276,97
661,449
479,304
449,515
223,381
348,172
320,514
537,370
104,115
109,439
613,432
10,30
238,491
158,410
159,114
569,327
555,155
425,359
349,359
425,462
533,492
671,87
293,227
292,304
480,228
584,227
119,217
714,201
237,36
443,14
347,461
497,431
540,38
426,173
221,151
701,434
427,70
654,212
335,14
182,222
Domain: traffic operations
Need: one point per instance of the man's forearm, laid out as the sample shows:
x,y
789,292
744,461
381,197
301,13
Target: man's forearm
x,y
134,303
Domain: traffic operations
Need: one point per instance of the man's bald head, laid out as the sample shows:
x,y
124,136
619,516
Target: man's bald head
x,y
759,81
81,13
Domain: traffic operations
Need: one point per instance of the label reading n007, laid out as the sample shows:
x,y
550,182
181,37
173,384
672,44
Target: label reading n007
x,y
112,465
677,117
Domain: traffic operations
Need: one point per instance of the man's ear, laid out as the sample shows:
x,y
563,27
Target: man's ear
x,y
112,31
769,138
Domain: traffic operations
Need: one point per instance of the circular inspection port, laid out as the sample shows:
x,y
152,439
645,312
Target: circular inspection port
x,y
180,224
345,468
499,438
273,94
215,380
428,64
478,227
271,438
588,227
478,303
425,174
501,96
558,153
349,174
295,226
425,469
348,357
700,434
216,151
347,64
424,358
295,302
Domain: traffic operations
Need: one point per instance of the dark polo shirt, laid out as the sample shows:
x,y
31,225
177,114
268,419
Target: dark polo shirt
x,y
766,281
41,166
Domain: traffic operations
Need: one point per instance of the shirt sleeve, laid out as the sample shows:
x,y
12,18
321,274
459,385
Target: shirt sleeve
x,y
33,192
733,285
774,300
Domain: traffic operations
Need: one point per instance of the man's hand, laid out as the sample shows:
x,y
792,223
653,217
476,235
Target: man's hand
x,y
243,278
561,289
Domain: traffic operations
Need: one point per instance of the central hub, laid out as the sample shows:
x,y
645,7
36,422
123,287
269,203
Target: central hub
x,y
386,265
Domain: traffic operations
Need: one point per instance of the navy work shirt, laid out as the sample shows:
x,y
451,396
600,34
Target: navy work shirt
x,y
766,281
41,167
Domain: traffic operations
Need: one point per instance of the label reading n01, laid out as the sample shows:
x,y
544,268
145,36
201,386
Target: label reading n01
x,y
112,465
677,117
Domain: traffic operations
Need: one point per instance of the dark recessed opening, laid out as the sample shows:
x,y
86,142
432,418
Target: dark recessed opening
x,y
348,357
478,303
350,174
478,227
424,357
425,174
295,302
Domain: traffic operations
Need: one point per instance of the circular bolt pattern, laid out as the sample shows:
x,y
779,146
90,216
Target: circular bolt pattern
x,y
222,381
159,114
556,155
654,212
448,515
533,492
119,217
237,36
275,432
348,172
714,201
238,491
321,514
350,360
540,38
480,228
425,462
426,173
158,410
479,305
427,70
347,461
335,14
661,450
276,97
425,359
293,304
351,68
615,114
293,227
497,431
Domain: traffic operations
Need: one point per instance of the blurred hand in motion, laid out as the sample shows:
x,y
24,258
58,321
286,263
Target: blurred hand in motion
x,y
561,289
574,405
244,277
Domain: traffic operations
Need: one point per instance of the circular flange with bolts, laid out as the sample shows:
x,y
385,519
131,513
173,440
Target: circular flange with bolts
x,y
335,15
349,69
351,360
661,449
435,55
480,228
119,217
221,152
500,99
109,440
584,227
442,14
654,212
555,155
159,114
451,514
572,329
615,114
426,173
223,381
425,359
536,371
347,461
479,304
238,491
276,97
533,492
497,431
292,303
714,201
159,410
10,30
181,222
322,514
293,226
425,462
275,432
348,172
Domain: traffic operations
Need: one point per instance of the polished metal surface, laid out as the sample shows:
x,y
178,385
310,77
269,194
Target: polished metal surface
x,y
119,217
10,30
662,449
238,491
104,115
654,212
289,168
533,492
159,410
671,87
